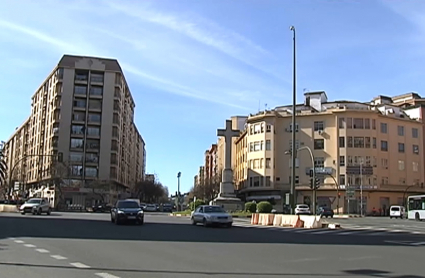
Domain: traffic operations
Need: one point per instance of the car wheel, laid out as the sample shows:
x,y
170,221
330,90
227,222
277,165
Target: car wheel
x,y
391,217
229,225
205,223
39,211
193,222
112,219
116,221
141,222
23,213
49,211
417,217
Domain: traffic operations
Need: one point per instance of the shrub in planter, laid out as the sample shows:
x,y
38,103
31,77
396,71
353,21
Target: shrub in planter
x,y
251,207
264,207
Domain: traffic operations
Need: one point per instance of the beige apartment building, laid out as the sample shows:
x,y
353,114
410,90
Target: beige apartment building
x,y
84,111
377,147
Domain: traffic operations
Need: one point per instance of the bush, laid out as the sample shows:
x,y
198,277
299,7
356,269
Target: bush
x,y
251,207
264,207
197,203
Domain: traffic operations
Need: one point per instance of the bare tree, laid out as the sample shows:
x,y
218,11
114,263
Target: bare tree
x,y
60,176
100,188
151,191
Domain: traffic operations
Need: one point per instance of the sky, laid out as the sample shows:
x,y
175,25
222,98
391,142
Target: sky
x,y
191,65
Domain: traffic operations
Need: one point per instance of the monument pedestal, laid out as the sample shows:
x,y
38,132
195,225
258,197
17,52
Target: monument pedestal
x,y
228,200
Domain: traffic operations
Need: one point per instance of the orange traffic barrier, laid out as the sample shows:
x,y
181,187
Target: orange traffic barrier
x,y
254,218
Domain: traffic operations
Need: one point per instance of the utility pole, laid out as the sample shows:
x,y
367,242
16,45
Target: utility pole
x,y
179,174
294,108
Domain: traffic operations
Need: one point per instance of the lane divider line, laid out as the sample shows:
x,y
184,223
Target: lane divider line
x,y
79,265
30,245
42,250
19,241
106,275
58,257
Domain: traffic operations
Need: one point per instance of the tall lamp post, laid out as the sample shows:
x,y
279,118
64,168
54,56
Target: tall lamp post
x,y
179,174
293,151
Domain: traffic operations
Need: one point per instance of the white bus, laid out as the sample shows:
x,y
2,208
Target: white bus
x,y
416,207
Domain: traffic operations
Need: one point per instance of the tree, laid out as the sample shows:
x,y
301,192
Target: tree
x,y
60,173
208,190
151,191
100,188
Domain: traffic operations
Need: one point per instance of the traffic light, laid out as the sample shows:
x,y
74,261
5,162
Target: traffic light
x,y
314,184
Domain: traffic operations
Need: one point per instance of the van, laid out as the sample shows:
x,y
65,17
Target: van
x,y
397,212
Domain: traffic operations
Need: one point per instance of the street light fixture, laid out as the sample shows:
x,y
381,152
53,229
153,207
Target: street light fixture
x,y
293,151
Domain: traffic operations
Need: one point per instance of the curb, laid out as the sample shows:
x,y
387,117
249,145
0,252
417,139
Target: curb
x,y
348,216
181,215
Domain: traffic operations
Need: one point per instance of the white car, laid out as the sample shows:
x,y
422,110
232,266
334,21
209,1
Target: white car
x,y
211,215
36,206
150,207
398,212
302,209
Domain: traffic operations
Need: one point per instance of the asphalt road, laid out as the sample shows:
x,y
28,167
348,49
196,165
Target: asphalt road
x,y
89,245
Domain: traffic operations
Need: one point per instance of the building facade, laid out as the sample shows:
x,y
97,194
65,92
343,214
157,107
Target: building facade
x,y
84,111
211,167
369,150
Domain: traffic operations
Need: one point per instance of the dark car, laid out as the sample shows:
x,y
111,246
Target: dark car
x,y
102,208
126,211
167,208
325,212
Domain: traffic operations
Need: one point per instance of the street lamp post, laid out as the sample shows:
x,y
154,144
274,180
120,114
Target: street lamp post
x,y
293,151
179,174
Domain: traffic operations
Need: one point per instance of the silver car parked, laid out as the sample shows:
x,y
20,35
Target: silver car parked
x,y
36,206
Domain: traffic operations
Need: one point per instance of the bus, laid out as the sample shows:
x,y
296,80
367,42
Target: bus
x,y
416,207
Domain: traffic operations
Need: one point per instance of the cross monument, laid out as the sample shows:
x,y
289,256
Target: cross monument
x,y
227,196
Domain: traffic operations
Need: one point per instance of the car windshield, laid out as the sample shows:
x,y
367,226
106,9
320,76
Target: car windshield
x,y
303,207
213,209
128,204
34,201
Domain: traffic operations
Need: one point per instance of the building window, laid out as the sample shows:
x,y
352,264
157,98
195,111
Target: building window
x,y
77,143
93,144
96,91
400,130
415,133
268,163
374,142
113,173
79,116
368,162
81,75
319,162
80,90
402,181
367,123
268,128
267,181
96,77
341,179
94,118
367,142
297,144
257,128
114,145
76,170
415,149
401,165
91,172
256,164
115,131
384,128
94,131
342,142
401,147
76,157
319,144
296,128
116,119
384,146
92,157
257,146
349,142
95,104
341,122
80,103
349,122
114,159
384,163
358,123
358,142
77,129
373,124
415,166
319,125
268,145
384,180
342,160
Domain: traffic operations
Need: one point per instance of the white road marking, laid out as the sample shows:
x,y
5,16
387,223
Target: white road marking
x,y
346,233
11,238
418,243
106,275
322,232
30,245
19,241
42,250
58,257
79,265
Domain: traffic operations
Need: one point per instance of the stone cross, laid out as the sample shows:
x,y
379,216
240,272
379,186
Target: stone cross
x,y
228,134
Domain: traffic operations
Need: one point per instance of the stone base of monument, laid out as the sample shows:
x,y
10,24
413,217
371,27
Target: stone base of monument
x,y
229,203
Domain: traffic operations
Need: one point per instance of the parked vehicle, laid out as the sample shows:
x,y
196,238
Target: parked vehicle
x,y
211,215
150,207
397,212
325,212
36,206
102,208
127,211
302,209
167,208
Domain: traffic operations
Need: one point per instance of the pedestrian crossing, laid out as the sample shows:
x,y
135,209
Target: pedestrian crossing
x,y
361,231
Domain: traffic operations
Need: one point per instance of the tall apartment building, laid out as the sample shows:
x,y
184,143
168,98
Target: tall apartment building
x,y
375,146
211,163
84,110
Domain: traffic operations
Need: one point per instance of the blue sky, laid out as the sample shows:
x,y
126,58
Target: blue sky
x,y
192,64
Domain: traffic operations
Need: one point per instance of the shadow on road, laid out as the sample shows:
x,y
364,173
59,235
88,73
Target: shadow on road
x,y
104,230
347,273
